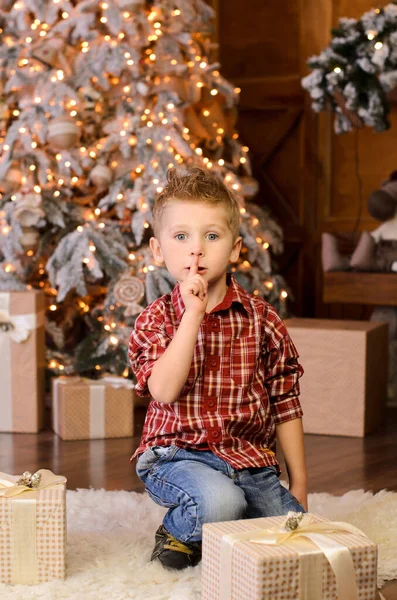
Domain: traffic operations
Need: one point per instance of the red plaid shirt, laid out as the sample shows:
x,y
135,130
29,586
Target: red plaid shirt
x,y
243,379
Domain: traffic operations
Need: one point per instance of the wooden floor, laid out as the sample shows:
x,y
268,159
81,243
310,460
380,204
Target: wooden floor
x,y
335,464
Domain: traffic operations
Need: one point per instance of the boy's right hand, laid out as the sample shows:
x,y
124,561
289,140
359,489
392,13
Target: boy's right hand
x,y
194,290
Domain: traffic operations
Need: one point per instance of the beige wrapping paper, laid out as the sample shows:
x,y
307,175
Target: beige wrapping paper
x,y
257,571
32,530
22,364
92,409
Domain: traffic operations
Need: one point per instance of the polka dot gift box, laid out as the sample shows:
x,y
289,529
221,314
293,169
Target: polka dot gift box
x,y
294,557
32,527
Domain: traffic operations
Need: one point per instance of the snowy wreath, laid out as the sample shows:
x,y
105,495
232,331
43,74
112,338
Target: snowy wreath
x,y
355,73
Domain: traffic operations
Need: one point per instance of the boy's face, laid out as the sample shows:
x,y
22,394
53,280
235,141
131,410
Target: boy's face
x,y
189,228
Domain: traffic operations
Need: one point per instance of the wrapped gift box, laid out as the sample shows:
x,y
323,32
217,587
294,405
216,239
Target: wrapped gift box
x,y
22,364
243,569
32,529
92,409
344,387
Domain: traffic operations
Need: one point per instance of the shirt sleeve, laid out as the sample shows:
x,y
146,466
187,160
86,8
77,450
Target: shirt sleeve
x,y
282,373
148,341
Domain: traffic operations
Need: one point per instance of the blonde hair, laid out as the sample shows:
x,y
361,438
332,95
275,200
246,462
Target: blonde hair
x,y
194,183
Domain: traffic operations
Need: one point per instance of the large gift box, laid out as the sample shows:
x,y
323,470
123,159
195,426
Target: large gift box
x,y
344,387
32,527
22,361
280,558
92,408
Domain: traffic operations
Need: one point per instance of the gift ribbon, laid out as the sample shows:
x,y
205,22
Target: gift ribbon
x,y
310,583
97,399
21,327
24,523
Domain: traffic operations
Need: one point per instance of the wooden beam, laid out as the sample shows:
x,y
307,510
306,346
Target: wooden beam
x,y
349,287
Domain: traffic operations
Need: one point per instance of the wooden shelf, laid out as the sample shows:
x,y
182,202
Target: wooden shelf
x,y
348,287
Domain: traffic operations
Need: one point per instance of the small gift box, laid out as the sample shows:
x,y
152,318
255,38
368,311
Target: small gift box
x,y
92,408
32,527
302,557
22,364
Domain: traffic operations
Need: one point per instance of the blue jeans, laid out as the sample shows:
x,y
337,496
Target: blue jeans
x,y
199,487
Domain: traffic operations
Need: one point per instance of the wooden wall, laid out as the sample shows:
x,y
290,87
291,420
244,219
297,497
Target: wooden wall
x,y
308,175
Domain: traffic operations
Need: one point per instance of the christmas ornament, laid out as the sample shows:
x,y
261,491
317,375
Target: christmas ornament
x,y
28,211
63,133
49,52
90,97
12,180
30,238
129,291
130,4
125,165
101,176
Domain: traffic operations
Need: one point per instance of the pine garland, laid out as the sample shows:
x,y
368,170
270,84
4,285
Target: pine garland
x,y
354,74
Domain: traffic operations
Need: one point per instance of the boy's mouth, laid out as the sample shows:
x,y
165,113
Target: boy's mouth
x,y
199,269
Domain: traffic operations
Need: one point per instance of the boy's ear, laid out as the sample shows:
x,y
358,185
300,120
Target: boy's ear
x,y
156,250
235,253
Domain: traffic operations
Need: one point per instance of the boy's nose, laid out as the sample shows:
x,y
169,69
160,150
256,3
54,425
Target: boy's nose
x,y
198,252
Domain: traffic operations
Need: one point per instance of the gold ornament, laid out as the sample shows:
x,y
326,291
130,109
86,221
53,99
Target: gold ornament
x,y
30,238
48,52
63,132
12,179
129,291
101,176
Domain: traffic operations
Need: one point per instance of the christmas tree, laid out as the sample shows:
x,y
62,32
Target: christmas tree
x,y
97,101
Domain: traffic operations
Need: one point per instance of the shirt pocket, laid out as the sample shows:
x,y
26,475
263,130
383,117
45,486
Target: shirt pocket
x,y
244,353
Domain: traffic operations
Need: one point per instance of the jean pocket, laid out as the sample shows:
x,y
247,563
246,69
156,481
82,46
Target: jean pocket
x,y
243,357
290,502
146,460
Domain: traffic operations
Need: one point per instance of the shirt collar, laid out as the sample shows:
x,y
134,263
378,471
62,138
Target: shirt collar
x,y
235,293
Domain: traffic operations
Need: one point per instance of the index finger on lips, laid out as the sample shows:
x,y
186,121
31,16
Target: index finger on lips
x,y
194,265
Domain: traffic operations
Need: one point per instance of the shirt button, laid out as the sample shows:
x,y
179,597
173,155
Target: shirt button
x,y
213,363
214,325
211,403
216,434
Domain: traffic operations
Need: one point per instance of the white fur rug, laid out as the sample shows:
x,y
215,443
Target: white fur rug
x,y
110,538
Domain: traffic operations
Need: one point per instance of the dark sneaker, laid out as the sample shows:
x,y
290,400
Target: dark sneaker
x,y
172,553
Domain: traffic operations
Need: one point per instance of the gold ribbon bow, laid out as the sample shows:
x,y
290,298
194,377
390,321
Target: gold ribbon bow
x,y
12,485
291,533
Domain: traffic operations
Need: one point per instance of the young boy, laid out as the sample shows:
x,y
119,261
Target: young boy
x,y
223,376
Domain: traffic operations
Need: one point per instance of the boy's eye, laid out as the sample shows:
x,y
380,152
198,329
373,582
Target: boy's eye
x,y
180,236
213,236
